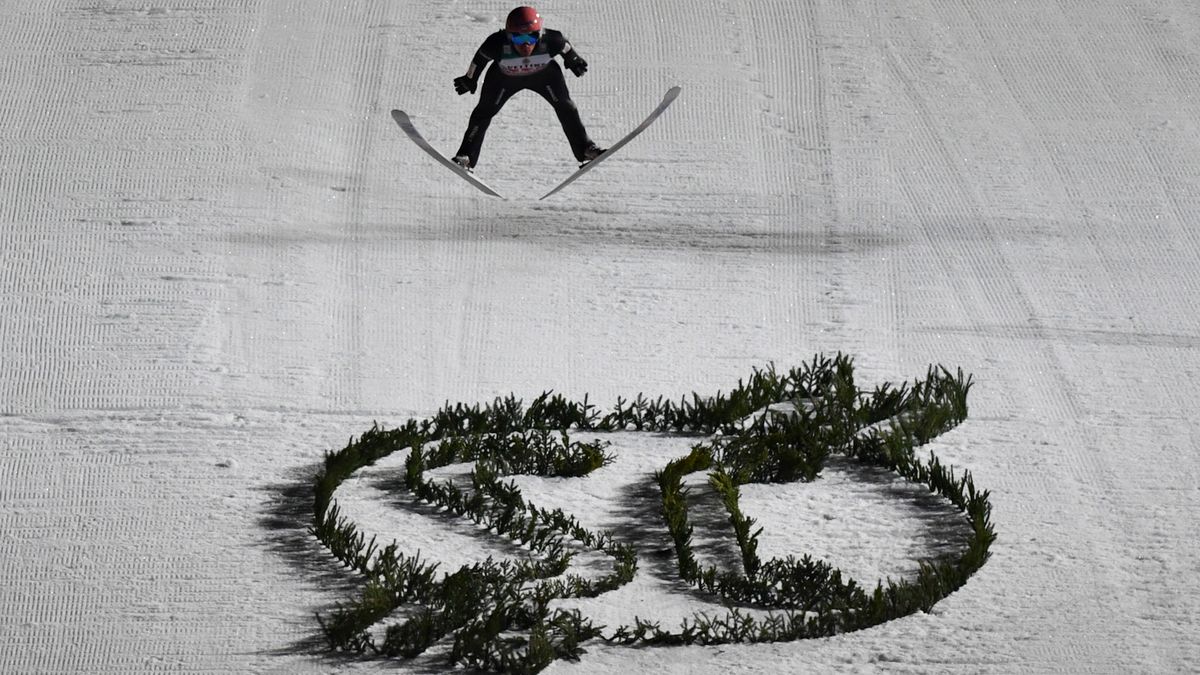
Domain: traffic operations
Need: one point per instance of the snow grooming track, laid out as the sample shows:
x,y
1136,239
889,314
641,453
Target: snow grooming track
x,y
365,61
1005,301
933,174
214,263
797,127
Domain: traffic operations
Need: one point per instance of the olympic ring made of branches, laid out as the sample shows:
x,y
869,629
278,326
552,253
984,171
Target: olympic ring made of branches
x,y
774,427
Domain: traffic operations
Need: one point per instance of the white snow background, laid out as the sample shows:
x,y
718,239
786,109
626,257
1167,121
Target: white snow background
x,y
219,258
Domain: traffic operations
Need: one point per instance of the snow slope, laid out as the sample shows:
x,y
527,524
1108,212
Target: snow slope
x,y
219,258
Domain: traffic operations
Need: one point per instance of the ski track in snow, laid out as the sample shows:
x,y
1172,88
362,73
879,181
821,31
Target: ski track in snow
x,y
219,258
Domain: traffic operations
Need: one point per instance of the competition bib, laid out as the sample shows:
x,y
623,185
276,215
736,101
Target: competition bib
x,y
523,65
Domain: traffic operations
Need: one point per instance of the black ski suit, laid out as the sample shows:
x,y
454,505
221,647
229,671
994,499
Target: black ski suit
x,y
512,73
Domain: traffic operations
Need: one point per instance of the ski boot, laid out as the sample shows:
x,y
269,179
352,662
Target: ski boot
x,y
592,152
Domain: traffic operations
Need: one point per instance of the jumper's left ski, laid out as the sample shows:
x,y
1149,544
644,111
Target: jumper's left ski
x,y
672,93
406,124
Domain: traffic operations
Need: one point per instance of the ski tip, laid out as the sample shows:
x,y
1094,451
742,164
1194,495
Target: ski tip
x,y
399,115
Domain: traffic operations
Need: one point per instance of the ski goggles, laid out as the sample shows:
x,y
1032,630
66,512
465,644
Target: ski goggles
x,y
521,39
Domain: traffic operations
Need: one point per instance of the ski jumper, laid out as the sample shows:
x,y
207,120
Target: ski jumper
x,y
512,73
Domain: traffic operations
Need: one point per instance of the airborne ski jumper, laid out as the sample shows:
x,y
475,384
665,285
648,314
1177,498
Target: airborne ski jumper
x,y
523,55
524,59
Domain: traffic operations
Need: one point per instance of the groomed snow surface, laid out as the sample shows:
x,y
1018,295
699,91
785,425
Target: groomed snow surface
x,y
219,258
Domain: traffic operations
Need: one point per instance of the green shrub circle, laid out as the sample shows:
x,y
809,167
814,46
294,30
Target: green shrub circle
x,y
774,427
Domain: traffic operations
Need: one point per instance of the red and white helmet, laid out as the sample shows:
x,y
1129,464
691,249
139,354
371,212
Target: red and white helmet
x,y
524,26
523,20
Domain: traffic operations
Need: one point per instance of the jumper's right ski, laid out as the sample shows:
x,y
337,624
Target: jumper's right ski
x,y
667,100
406,124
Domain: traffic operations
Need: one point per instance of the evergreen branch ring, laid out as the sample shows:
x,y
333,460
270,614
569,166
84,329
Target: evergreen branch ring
x,y
773,428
